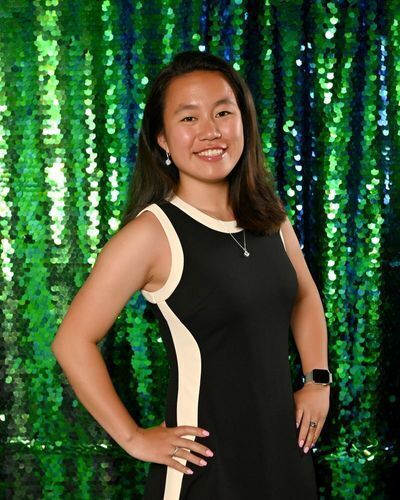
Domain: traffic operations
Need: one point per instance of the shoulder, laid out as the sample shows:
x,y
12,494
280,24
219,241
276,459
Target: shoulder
x,y
293,248
142,233
122,267
296,256
149,223
288,233
138,244
287,229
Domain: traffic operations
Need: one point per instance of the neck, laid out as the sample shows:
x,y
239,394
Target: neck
x,y
211,199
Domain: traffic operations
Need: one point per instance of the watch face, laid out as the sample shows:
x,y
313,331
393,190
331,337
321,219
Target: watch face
x,y
320,376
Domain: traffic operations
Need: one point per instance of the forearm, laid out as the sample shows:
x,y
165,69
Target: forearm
x,y
87,373
310,332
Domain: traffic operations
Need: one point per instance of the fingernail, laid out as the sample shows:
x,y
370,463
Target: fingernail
x,y
189,471
206,433
203,462
209,453
312,444
297,424
301,443
306,449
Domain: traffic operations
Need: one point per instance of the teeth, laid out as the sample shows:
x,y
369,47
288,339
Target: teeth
x,y
211,152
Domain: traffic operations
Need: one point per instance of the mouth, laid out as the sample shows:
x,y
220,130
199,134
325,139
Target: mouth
x,y
212,153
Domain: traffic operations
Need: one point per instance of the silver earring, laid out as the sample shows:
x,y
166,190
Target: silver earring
x,y
167,161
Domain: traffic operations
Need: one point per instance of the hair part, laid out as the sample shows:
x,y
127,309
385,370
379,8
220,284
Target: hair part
x,y
255,203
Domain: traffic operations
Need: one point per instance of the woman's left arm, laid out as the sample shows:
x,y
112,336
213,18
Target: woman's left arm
x,y
310,334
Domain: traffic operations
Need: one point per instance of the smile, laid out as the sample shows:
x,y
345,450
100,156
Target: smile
x,y
211,154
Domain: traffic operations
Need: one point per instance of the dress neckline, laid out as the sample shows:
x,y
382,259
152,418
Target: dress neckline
x,y
224,226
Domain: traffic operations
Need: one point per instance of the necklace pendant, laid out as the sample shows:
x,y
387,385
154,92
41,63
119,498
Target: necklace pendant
x,y
246,253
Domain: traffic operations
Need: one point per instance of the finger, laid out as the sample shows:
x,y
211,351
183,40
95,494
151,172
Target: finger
x,y
299,415
304,427
190,430
174,464
318,431
193,446
310,435
191,457
315,438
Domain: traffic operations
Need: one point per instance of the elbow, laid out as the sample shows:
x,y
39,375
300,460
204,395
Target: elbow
x,y
54,348
60,351
65,347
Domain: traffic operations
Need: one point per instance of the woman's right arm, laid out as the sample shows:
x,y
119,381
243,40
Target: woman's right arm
x,y
124,265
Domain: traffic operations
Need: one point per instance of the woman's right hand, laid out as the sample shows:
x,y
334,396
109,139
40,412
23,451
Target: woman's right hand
x,y
156,444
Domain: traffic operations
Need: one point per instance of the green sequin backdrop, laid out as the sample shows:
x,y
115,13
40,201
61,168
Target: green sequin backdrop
x,y
74,76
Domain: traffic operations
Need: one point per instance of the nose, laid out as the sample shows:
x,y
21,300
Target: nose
x,y
209,130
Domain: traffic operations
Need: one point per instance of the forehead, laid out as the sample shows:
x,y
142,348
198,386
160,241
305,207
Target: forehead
x,y
197,87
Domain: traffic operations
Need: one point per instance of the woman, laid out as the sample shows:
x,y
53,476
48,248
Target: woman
x,y
207,241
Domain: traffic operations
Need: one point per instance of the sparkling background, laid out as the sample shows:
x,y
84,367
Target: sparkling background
x,y
74,77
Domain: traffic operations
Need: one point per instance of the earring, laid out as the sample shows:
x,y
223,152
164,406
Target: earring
x,y
167,161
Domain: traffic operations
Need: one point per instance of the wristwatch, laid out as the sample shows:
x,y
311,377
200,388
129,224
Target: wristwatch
x,y
318,376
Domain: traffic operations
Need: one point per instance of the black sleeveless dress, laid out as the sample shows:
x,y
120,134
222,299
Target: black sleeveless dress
x,y
224,319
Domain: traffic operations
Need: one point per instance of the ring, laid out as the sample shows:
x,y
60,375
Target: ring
x,y
176,449
313,424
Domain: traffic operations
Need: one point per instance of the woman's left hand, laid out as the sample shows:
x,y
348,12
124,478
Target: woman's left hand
x,y
312,404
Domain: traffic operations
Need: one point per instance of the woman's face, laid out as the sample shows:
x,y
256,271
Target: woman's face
x,y
195,120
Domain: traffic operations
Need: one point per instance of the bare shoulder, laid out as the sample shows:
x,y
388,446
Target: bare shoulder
x,y
296,256
289,235
144,229
133,251
147,229
123,266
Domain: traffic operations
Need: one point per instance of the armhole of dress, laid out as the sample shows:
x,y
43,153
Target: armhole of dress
x,y
176,270
283,241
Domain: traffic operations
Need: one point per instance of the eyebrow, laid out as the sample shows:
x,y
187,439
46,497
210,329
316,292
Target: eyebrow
x,y
182,107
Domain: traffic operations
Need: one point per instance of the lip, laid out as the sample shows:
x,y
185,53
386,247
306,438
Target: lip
x,y
212,158
216,146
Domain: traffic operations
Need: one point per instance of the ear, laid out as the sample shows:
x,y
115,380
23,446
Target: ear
x,y
162,142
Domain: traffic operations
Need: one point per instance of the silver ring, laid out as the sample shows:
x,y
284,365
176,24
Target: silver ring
x,y
313,424
176,449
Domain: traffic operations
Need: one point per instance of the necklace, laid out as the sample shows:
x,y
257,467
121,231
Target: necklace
x,y
246,253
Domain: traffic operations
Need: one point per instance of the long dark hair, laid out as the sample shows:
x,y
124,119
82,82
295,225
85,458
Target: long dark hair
x,y
255,203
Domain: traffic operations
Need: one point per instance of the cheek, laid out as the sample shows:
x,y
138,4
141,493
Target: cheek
x,y
182,137
239,136
233,129
239,129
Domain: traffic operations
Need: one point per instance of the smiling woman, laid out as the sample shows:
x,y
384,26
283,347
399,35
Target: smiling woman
x,y
201,238
212,133
205,105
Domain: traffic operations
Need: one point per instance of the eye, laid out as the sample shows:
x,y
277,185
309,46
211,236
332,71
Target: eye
x,y
185,119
